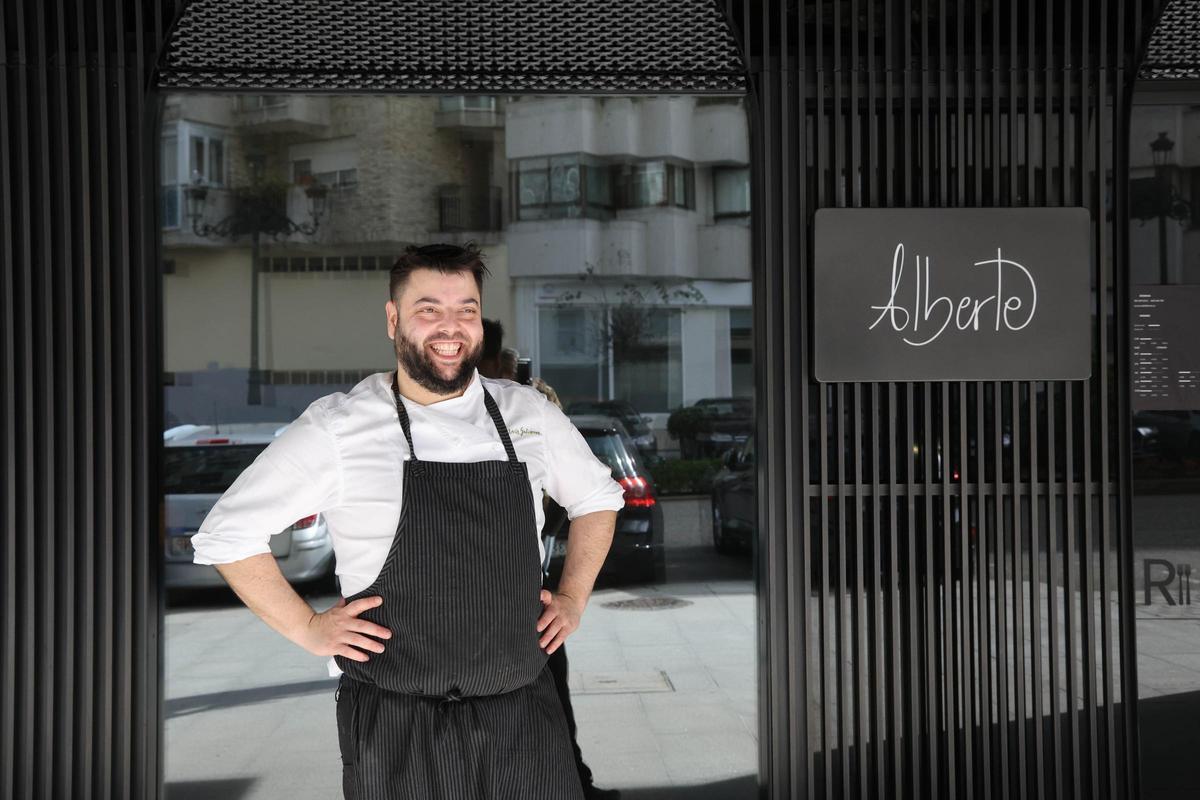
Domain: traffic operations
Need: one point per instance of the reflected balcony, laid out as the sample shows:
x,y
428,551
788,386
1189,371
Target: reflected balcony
x,y
303,115
461,208
469,111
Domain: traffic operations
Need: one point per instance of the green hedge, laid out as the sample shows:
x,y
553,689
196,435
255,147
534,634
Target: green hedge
x,y
684,475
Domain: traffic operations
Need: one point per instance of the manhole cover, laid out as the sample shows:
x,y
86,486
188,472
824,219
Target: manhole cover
x,y
646,603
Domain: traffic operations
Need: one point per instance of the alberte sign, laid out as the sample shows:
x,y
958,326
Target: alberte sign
x,y
924,294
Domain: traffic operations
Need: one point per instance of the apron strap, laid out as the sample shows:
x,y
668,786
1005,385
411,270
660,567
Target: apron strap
x,y
493,411
501,427
402,413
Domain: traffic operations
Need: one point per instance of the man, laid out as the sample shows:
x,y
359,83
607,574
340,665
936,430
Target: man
x,y
430,480
497,361
493,336
489,360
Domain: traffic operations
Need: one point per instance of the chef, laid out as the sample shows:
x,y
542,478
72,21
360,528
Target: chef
x,y
430,479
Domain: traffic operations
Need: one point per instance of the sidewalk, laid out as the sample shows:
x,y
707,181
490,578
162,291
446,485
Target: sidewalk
x,y
665,697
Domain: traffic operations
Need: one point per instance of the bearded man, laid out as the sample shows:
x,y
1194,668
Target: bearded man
x,y
430,478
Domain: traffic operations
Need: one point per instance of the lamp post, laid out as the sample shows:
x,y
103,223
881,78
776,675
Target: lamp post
x,y
259,208
1160,150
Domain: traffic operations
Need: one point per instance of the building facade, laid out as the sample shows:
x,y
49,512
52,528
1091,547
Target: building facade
x,y
1015,673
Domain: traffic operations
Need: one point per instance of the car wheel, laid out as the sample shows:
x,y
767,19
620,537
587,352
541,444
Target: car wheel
x,y
720,541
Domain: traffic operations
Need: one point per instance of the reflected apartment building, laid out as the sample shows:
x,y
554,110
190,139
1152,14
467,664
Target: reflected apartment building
x,y
616,230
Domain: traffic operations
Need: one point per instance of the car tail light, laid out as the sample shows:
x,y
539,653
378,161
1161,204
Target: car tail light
x,y
637,492
305,522
220,440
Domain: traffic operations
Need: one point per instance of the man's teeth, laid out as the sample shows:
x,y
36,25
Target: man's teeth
x,y
447,349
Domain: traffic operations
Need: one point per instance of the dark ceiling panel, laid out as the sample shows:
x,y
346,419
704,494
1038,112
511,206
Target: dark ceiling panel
x,y
618,46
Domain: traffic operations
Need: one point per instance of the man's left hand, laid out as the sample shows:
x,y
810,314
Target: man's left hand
x,y
560,618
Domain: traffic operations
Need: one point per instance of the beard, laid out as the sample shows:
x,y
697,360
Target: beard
x,y
420,366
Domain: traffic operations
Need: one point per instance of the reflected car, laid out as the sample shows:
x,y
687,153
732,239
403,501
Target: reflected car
x,y
200,463
636,424
734,514
637,554
729,421
834,559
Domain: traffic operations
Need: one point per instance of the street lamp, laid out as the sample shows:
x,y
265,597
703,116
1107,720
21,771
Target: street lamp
x,y
259,208
1168,203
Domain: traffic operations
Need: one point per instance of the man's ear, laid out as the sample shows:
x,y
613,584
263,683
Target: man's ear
x,y
393,320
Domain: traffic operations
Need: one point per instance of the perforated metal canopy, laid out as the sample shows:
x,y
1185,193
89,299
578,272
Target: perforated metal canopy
x,y
1174,48
616,46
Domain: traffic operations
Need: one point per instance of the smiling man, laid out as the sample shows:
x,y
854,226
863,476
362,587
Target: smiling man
x,y
430,478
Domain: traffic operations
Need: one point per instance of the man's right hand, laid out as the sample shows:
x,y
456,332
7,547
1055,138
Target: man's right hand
x,y
339,631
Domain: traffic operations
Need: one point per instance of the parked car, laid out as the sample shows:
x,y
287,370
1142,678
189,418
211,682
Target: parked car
x,y
716,424
635,423
734,513
637,550
833,558
200,463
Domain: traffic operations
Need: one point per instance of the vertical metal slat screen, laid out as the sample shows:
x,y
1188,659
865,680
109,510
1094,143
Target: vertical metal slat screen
x,y
79,400
945,567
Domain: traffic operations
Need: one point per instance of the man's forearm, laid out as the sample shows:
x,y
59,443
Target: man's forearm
x,y
258,581
588,541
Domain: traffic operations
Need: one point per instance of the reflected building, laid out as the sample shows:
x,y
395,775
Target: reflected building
x,y
629,246
616,229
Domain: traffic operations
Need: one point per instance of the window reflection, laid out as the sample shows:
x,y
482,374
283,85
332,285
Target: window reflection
x,y
1164,246
615,231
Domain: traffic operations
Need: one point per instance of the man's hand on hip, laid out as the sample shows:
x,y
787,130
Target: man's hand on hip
x,y
339,632
336,632
560,618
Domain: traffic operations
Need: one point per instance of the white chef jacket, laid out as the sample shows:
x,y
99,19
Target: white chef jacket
x,y
342,457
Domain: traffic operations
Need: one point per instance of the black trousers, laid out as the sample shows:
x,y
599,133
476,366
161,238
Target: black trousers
x,y
558,666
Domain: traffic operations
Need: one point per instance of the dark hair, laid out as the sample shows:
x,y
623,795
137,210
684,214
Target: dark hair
x,y
493,338
446,258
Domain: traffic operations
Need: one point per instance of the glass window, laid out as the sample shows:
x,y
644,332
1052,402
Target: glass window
x,y
564,180
554,188
599,185
646,357
683,186
216,162
206,469
656,183
731,191
741,351
573,354
1164,262
533,185
197,163
169,171
645,184
580,294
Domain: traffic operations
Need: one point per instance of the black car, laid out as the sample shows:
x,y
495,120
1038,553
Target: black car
x,y
834,557
734,515
637,550
725,423
637,425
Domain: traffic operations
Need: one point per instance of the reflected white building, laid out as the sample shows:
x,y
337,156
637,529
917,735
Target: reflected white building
x,y
616,230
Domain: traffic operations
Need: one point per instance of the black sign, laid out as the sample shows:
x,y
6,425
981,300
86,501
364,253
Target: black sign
x,y
1166,361
952,294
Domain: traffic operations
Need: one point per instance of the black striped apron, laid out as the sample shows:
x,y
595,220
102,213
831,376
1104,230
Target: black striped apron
x,y
460,703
